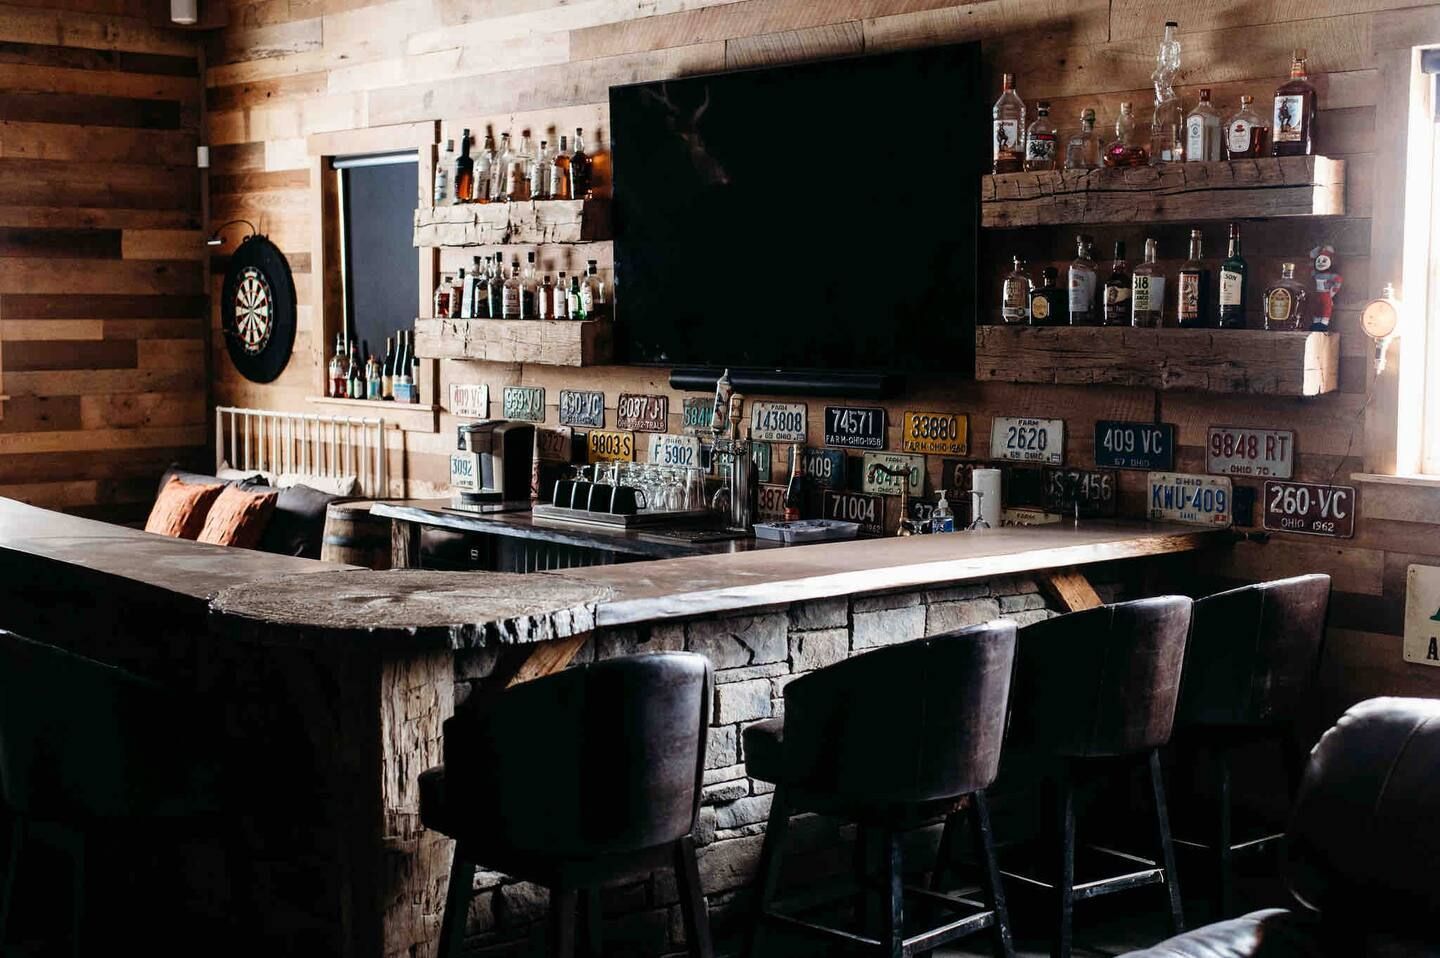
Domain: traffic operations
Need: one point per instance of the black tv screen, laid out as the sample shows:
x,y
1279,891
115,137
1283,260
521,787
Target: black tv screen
x,y
819,216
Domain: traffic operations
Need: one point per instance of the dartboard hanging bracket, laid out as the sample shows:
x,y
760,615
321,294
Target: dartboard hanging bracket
x,y
257,309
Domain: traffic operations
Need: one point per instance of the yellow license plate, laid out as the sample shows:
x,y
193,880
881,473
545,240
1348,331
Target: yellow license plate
x,y
610,445
936,433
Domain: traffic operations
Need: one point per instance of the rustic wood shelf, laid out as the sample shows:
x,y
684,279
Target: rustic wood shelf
x,y
544,342
409,417
1173,192
527,221
1208,360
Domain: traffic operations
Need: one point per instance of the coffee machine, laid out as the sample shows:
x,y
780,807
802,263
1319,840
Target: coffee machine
x,y
492,463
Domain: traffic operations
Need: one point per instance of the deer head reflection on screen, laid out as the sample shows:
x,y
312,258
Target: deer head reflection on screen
x,y
687,128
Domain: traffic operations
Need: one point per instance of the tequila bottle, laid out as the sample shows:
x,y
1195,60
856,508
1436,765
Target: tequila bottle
x,y
1015,296
1167,126
1202,131
1116,308
1126,150
1147,290
1245,132
1294,130
1082,283
1285,302
1041,140
1008,128
1082,151
1234,277
1192,309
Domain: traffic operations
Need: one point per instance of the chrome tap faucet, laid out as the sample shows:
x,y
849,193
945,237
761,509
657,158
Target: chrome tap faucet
x,y
905,526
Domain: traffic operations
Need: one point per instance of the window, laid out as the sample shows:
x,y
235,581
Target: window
x,y
377,195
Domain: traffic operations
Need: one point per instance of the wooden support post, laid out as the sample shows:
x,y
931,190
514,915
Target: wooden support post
x,y
1070,588
404,544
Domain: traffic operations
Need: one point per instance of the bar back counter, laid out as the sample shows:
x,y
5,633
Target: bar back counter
x,y
333,683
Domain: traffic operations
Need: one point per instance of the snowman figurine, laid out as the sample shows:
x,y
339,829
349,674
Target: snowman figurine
x,y
1327,287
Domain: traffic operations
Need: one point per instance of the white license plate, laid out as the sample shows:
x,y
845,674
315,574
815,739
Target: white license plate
x,y
465,471
1238,451
1028,440
939,433
1027,517
668,449
778,421
470,400
770,503
525,403
582,407
1183,497
877,481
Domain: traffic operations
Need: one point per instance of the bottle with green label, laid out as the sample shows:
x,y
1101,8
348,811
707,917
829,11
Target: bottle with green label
x,y
1233,281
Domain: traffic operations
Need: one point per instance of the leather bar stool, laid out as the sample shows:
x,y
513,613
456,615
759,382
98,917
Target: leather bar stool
x,y
889,740
1249,666
1094,696
574,780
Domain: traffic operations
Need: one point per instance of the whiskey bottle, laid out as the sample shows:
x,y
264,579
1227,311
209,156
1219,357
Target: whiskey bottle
x,y
1127,149
1234,278
560,184
442,298
485,172
1015,296
502,176
527,287
1245,132
1202,131
1116,309
580,180
495,288
1285,302
561,298
443,169
1008,128
540,174
1046,308
1192,308
457,294
1042,140
511,293
545,305
794,490
598,304
1147,291
1167,126
1082,151
464,172
1294,130
1082,283
576,303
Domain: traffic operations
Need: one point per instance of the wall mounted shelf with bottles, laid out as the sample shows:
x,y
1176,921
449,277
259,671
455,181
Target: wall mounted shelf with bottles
x,y
526,222
1171,192
539,341
1254,362
408,417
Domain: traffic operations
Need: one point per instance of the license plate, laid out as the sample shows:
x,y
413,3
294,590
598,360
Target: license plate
x,y
1135,445
1091,490
552,443
855,427
695,414
582,407
608,445
824,467
1022,486
1237,451
642,411
525,403
470,400
1028,440
465,471
1027,517
867,510
1183,497
1311,508
668,449
883,483
936,433
770,502
760,454
778,421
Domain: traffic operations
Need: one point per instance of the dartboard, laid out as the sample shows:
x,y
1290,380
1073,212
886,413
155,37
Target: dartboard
x,y
258,310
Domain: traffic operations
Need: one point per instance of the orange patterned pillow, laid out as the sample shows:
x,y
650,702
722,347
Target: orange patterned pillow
x,y
239,517
180,509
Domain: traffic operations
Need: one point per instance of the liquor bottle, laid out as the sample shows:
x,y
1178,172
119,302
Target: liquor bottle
x,y
520,169
527,288
561,301
464,172
457,295
1244,132
1045,304
510,298
1285,302
495,288
1167,126
414,363
576,303
372,378
1294,130
1234,278
598,304
353,381
580,168
540,172
1147,290
943,518
545,307
1015,295
1082,151
333,380
1008,128
485,172
1127,149
400,379
387,371
794,490
1202,132
1116,310
1082,282
1042,140
502,176
560,183
1192,309
467,294
443,169
442,298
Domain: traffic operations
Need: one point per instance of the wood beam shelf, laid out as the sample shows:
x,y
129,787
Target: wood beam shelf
x,y
529,222
1172,192
408,417
1248,361
543,342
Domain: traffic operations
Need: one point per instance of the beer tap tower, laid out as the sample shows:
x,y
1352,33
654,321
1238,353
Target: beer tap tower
x,y
740,489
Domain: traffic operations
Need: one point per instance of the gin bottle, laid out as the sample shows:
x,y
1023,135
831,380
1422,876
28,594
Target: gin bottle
x,y
1082,151
1167,136
1008,128
1041,140
1202,132
1147,290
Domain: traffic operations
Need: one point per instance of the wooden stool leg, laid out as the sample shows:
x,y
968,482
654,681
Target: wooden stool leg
x,y
945,854
564,903
990,882
894,930
590,914
770,855
1167,847
457,904
693,908
1224,837
1065,872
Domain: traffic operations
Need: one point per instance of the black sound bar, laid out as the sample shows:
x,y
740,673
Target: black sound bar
x,y
779,382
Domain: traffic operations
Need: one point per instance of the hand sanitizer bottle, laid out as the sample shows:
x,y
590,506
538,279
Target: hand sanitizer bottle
x,y
942,519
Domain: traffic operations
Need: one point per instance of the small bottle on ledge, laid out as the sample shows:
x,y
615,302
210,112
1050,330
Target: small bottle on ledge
x,y
1041,141
1126,150
464,172
1147,291
1046,306
561,298
1285,302
560,182
1245,132
1192,307
1008,128
1294,130
1202,132
1082,282
1234,280
580,181
1015,296
1116,308
1082,152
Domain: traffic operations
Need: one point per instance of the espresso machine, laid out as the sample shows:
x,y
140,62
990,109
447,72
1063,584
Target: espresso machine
x,y
492,465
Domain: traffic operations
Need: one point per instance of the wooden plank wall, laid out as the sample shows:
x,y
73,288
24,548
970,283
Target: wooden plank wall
x,y
285,69
102,308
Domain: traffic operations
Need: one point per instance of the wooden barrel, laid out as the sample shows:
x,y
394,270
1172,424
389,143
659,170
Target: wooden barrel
x,y
355,537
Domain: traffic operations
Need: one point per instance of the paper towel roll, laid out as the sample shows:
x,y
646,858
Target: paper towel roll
x,y
987,482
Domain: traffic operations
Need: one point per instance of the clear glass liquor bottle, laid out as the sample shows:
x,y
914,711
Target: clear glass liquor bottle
x,y
1115,310
495,287
592,292
464,172
1082,151
1008,128
1245,132
510,292
1042,140
442,298
1234,281
1015,296
528,288
524,158
1147,290
503,173
540,175
1046,306
560,301
1202,132
1294,131
1167,126
560,185
576,301
484,172
1192,307
1082,282
443,179
545,303
1285,302
1126,150
580,180
472,282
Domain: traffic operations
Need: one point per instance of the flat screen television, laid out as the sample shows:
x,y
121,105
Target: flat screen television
x,y
821,216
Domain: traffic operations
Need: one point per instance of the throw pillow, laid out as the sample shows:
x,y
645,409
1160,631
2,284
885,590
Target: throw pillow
x,y
181,508
238,517
298,526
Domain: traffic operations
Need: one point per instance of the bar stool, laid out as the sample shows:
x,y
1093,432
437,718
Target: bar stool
x,y
889,740
1249,666
1095,694
575,780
